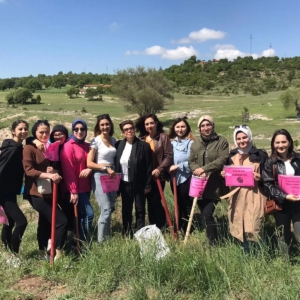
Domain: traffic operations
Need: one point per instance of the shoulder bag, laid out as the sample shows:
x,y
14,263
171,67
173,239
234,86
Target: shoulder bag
x,y
272,206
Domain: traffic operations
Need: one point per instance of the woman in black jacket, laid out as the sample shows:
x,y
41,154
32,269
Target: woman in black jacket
x,y
134,162
283,161
11,178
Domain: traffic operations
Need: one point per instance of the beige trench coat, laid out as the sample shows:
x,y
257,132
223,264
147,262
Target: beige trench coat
x,y
246,206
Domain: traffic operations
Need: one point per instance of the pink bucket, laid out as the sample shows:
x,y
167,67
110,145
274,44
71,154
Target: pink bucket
x,y
3,217
197,186
110,184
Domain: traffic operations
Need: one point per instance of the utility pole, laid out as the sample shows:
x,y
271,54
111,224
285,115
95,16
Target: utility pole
x,y
250,44
270,49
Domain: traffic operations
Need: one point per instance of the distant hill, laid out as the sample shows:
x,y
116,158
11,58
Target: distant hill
x,y
248,75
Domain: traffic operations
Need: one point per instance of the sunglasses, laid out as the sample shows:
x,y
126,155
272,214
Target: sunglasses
x,y
103,116
79,129
128,129
241,126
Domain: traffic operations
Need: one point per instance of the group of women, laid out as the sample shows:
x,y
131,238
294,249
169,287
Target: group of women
x,y
142,161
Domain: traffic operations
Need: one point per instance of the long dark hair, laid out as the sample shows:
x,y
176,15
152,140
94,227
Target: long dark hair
x,y
97,130
140,124
172,133
289,138
18,122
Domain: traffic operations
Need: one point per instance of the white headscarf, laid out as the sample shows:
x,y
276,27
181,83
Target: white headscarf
x,y
248,132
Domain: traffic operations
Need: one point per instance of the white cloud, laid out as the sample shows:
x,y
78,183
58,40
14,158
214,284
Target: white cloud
x,y
113,26
230,52
155,50
203,35
171,54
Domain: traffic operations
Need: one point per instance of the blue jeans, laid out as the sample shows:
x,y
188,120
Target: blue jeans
x,y
106,203
85,216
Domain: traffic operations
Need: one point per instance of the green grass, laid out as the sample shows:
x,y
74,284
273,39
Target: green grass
x,y
197,271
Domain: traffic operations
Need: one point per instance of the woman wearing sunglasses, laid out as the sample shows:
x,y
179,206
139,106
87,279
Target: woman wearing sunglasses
x,y
77,176
101,159
38,173
246,205
284,161
134,162
208,155
151,131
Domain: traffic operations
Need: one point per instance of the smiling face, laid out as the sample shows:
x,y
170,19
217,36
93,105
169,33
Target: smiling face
x,y
150,126
59,136
20,133
281,144
43,133
206,128
128,131
180,129
79,131
104,126
242,140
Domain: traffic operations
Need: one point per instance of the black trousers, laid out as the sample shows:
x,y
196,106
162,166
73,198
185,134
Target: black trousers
x,y
12,234
207,208
44,208
128,197
68,209
156,212
185,203
290,213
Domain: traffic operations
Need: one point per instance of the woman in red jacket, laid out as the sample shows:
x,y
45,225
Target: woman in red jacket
x,y
73,158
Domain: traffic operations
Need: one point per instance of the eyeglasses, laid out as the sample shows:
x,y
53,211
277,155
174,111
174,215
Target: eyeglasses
x,y
241,126
103,116
128,129
79,129
58,135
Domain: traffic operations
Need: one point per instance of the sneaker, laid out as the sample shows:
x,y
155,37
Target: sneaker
x,y
49,245
45,257
14,262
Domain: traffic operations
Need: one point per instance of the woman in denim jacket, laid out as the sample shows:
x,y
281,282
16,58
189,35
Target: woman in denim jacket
x,y
182,139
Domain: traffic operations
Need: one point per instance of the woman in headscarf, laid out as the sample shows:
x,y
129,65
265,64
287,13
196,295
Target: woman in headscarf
x,y
246,205
208,155
77,176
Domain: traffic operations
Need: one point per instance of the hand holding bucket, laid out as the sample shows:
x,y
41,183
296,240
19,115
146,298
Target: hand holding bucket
x,y
197,186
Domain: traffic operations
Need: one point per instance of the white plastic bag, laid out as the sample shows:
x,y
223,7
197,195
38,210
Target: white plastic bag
x,y
152,242
44,186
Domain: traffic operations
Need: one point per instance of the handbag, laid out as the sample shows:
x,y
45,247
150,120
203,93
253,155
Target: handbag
x,y
44,186
271,205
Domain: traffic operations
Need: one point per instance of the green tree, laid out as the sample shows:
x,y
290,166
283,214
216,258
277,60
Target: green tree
x,y
144,91
71,92
19,96
99,90
90,94
33,85
291,75
290,98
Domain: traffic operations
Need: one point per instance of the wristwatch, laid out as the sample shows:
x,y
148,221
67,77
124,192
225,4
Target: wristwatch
x,y
106,167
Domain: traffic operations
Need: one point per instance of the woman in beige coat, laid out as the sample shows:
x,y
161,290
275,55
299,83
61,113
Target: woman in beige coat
x,y
246,205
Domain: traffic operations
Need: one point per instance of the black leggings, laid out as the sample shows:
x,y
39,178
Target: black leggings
x,y
44,208
17,221
207,208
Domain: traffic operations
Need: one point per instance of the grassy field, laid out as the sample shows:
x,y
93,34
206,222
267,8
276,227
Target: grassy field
x,y
115,270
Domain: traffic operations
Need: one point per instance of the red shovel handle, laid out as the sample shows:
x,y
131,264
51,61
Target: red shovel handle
x,y
175,201
77,228
53,222
164,203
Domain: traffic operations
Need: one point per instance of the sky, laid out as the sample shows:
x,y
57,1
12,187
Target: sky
x,y
46,37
